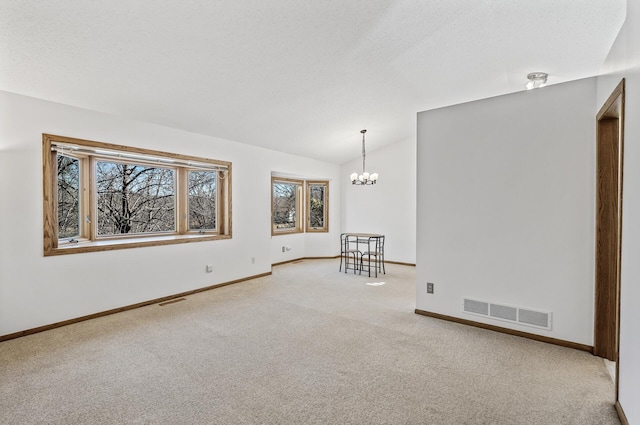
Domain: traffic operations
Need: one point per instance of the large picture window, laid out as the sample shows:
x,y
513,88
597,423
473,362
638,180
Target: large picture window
x,y
134,199
100,196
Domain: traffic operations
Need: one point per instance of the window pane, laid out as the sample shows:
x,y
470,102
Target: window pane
x,y
284,205
68,197
316,205
202,200
134,198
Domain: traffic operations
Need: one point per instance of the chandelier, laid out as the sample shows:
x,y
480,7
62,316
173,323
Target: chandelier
x,y
364,178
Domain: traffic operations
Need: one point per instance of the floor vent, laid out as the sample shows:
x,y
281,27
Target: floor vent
x,y
523,316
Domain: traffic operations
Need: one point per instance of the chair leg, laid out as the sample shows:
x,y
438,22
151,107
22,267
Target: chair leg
x,y
377,265
346,262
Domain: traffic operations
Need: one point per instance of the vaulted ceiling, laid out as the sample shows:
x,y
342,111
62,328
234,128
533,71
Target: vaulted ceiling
x,y
297,76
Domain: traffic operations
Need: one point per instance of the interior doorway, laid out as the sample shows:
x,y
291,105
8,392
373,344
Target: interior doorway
x,y
609,171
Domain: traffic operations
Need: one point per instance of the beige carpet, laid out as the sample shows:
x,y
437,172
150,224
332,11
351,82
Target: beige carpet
x,y
307,345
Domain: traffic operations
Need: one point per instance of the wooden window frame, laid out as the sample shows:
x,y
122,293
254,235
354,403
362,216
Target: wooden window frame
x,y
302,207
299,226
88,240
325,228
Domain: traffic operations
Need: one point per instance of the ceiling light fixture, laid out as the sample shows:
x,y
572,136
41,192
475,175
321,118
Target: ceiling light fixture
x,y
364,178
537,80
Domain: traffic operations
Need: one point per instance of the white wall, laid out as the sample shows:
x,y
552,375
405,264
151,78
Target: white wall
x,y
624,61
506,206
36,291
388,207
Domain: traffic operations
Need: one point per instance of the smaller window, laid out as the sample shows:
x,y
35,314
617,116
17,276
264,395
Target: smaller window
x,y
68,197
318,206
286,206
202,200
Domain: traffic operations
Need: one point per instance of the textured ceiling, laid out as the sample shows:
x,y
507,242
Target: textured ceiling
x,y
293,75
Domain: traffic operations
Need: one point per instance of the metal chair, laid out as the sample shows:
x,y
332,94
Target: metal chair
x,y
349,249
375,249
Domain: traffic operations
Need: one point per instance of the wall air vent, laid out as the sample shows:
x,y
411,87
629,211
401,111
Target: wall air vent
x,y
534,318
503,312
477,307
519,315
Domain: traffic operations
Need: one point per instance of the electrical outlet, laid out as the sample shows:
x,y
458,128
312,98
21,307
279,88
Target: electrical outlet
x,y
209,268
283,249
429,288
253,260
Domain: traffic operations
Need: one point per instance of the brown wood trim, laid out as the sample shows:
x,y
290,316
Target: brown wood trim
x,y
137,243
610,120
171,302
125,308
560,342
621,117
400,263
226,198
312,258
336,256
621,415
49,203
609,110
607,249
130,149
287,262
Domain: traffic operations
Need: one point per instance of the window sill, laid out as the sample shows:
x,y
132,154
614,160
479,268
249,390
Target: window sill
x,y
113,244
285,232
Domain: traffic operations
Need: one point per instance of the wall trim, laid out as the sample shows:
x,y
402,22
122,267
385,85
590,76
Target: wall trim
x,y
555,341
400,263
303,258
621,415
125,308
336,256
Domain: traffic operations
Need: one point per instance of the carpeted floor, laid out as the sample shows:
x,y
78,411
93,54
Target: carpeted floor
x,y
307,345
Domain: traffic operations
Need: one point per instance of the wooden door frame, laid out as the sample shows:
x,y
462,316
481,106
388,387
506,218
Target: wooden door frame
x,y
609,140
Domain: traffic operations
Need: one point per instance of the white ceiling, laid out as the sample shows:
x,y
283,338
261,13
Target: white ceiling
x,y
300,76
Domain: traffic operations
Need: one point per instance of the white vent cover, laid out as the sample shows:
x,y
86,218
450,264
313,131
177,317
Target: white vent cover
x,y
519,315
478,307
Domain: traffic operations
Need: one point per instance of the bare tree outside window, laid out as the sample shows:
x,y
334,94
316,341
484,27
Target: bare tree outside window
x,y
316,205
68,197
202,200
100,196
285,204
134,198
